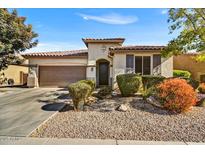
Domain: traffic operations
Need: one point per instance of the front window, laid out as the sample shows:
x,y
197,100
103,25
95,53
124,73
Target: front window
x,y
129,63
138,64
156,64
143,65
146,65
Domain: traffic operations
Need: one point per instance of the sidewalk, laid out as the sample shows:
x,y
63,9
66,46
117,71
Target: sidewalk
x,y
4,140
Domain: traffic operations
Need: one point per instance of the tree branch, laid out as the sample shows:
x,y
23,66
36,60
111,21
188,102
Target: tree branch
x,y
189,18
201,13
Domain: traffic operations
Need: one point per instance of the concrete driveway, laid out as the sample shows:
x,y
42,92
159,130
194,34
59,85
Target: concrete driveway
x,y
24,109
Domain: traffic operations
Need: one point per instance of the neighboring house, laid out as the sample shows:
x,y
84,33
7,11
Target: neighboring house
x,y
17,73
187,62
102,61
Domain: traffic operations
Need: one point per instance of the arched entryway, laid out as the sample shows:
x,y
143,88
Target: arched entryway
x,y
103,72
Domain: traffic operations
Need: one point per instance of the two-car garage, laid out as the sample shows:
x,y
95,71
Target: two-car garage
x,y
60,76
57,69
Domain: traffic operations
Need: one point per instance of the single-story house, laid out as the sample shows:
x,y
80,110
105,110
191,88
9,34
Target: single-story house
x,y
102,61
187,62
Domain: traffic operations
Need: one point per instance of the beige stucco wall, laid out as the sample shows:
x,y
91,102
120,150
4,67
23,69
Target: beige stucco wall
x,y
13,72
119,67
95,53
167,67
119,64
186,62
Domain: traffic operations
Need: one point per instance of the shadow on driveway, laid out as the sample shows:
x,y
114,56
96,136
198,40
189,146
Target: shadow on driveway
x,y
52,107
23,110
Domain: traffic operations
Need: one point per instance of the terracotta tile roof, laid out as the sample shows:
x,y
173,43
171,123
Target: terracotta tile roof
x,y
104,40
58,53
137,47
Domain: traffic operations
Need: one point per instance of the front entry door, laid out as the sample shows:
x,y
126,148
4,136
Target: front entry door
x,y
103,73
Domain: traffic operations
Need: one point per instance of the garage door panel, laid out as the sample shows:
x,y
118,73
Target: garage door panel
x,y
61,76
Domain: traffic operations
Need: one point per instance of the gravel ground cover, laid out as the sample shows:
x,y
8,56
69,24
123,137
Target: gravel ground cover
x,y
142,122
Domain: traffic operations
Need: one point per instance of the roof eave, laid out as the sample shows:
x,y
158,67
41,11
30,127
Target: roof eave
x,y
112,52
66,56
119,40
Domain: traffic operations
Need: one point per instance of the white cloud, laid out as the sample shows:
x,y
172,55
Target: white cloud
x,y
115,19
164,11
55,46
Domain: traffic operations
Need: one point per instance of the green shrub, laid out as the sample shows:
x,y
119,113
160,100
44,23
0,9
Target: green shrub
x,y
128,84
201,88
181,73
104,91
192,82
149,92
151,80
202,103
3,79
91,83
79,92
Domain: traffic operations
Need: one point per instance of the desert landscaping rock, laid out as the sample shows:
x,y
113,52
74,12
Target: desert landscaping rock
x,y
123,108
105,105
142,122
154,102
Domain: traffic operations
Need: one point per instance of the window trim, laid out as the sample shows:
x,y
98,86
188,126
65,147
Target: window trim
x,y
144,55
143,62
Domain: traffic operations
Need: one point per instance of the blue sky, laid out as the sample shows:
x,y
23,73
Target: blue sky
x,y
63,29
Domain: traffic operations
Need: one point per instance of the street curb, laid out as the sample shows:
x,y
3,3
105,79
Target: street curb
x,y
78,141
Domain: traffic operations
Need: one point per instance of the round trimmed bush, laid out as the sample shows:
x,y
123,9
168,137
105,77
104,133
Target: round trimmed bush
x,y
91,83
79,92
176,95
181,73
128,84
151,80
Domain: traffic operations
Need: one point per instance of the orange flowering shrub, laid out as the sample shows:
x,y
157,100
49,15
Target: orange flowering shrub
x,y
176,95
202,88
